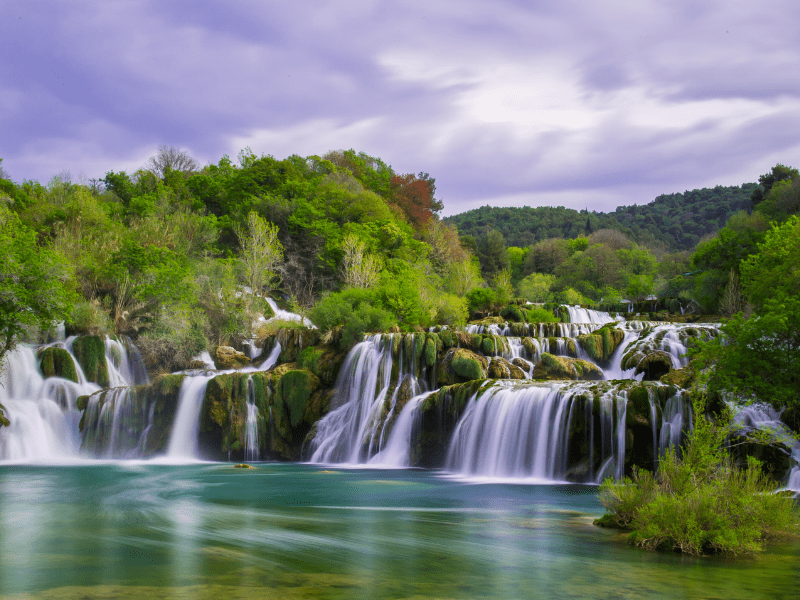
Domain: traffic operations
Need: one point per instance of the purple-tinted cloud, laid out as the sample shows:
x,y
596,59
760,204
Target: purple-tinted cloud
x,y
512,102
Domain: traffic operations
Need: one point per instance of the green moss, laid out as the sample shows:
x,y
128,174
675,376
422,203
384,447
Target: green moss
x,y
90,351
446,336
57,362
469,365
430,351
293,391
4,422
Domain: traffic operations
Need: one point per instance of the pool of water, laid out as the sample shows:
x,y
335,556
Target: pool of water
x,y
143,530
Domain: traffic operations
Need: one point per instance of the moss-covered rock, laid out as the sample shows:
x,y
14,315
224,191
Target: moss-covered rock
x,y
461,364
90,352
57,362
293,391
226,358
323,361
562,367
4,422
512,313
500,368
601,343
654,365
680,378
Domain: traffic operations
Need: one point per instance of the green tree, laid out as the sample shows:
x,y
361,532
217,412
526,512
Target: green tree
x,y
261,251
34,290
774,269
778,173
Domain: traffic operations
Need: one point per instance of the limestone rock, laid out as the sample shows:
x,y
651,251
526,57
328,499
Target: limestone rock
x,y
601,343
226,358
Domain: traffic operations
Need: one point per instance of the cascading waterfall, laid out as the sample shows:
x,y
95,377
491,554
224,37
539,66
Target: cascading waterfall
x,y
361,387
43,412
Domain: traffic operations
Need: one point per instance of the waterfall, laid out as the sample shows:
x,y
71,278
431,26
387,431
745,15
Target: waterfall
x,y
117,424
361,388
251,441
676,418
183,441
396,452
586,315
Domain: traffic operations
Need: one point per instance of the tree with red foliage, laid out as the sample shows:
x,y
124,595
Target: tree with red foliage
x,y
413,194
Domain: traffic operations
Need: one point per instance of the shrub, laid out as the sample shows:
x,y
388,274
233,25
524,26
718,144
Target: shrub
x,y
88,318
541,315
512,313
701,502
175,338
480,299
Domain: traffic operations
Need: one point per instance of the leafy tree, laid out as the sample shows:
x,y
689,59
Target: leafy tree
x,y
463,276
536,287
492,254
361,269
414,195
34,290
774,269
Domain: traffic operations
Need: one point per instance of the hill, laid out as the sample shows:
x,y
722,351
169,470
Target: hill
x,y
673,221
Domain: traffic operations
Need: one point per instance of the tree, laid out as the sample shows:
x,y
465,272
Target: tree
x,y
261,251
170,158
361,269
33,283
414,195
778,173
536,287
492,254
775,267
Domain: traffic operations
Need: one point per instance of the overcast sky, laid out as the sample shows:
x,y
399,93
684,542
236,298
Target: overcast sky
x,y
585,104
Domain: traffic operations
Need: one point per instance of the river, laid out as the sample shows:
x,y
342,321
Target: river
x,y
288,530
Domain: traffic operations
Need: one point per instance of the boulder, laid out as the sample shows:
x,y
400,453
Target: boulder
x,y
57,362
226,358
680,378
562,367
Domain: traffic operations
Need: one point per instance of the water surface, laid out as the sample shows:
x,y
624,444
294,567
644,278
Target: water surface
x,y
142,530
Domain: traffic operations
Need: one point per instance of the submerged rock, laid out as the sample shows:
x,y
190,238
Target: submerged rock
x,y
226,358
57,362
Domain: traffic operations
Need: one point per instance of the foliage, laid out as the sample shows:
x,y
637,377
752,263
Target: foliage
x,y
701,502
537,287
481,299
361,268
173,340
540,315
758,358
33,283
774,269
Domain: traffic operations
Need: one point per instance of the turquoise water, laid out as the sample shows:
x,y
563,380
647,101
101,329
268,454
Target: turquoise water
x,y
299,531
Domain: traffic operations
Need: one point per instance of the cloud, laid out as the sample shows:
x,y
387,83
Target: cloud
x,y
505,102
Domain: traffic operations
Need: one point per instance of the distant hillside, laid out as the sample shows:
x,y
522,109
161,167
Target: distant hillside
x,y
678,221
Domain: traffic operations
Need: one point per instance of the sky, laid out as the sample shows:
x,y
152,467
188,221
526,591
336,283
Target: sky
x,y
584,104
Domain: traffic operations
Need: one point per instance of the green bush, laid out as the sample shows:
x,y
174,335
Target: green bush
x,y
358,311
512,313
481,299
174,339
702,502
